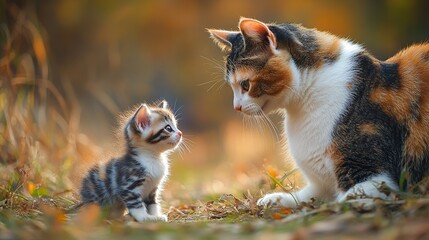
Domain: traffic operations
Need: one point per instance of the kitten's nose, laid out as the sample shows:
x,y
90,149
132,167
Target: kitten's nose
x,y
179,133
238,108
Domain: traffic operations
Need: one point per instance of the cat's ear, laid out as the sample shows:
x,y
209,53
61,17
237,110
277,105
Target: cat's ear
x,y
142,117
223,38
163,104
256,32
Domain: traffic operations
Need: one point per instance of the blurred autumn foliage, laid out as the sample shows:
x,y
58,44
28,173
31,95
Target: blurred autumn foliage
x,y
69,67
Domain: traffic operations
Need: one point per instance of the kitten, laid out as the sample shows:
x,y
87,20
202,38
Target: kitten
x,y
353,122
135,180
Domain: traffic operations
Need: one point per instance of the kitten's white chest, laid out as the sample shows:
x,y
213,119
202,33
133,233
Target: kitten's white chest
x,y
156,171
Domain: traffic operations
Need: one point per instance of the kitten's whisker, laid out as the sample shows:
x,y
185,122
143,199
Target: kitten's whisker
x,y
188,140
185,145
177,110
180,151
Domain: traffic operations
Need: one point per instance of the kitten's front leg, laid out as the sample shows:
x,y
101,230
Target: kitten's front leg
x,y
136,206
155,210
153,206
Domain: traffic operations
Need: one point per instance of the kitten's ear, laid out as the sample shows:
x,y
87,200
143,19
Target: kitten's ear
x,y
141,119
163,104
256,32
223,38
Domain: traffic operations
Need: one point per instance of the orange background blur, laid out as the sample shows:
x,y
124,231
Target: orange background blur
x,y
104,56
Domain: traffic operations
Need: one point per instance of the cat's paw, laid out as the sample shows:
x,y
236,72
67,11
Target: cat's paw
x,y
278,200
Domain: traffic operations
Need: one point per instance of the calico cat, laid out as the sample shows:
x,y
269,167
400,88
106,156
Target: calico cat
x,y
353,122
135,179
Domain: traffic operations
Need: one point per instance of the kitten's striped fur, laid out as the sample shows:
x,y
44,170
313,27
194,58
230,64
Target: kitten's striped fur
x,y
352,121
135,179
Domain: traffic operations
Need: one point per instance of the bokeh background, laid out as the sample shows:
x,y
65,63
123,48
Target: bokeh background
x,y
69,67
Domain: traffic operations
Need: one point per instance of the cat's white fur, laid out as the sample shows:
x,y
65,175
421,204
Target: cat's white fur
x,y
369,188
315,101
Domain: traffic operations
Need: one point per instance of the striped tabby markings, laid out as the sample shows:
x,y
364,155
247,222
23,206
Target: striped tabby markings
x,y
158,136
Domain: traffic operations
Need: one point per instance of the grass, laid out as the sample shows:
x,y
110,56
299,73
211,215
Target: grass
x,y
40,144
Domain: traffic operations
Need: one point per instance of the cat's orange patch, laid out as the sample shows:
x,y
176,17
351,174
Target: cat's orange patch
x,y
333,152
272,79
329,47
242,73
368,129
414,70
411,97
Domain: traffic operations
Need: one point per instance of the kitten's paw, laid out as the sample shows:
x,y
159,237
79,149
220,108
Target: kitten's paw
x,y
162,218
278,199
140,215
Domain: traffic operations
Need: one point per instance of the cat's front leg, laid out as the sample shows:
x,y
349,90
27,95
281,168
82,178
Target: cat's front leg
x,y
369,189
289,200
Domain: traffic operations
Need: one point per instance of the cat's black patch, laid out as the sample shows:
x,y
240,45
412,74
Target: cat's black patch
x,y
390,76
366,155
243,55
299,42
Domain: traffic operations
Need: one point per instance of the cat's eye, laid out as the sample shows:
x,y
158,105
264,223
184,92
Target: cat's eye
x,y
245,85
168,128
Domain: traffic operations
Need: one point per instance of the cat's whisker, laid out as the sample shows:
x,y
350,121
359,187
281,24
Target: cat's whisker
x,y
212,86
263,120
221,85
270,124
215,62
208,82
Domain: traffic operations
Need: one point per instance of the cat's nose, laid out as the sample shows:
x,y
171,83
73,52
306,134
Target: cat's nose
x,y
179,133
238,108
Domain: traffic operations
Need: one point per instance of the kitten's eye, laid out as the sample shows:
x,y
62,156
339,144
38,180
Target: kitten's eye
x,y
245,85
168,128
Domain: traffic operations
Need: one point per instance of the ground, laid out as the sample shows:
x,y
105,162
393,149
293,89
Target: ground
x,y
225,217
